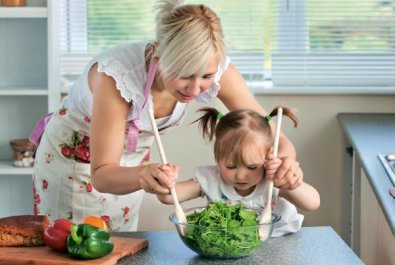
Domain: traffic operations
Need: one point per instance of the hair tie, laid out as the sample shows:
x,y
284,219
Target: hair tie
x,y
268,118
220,116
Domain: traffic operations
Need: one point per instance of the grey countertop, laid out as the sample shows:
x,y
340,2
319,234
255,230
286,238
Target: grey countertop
x,y
311,245
370,135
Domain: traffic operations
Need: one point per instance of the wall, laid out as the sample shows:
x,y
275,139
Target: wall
x,y
318,141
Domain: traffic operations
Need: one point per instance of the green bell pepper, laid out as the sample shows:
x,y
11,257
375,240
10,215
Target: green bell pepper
x,y
88,242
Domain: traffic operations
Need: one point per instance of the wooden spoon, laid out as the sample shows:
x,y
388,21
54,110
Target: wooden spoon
x,y
266,214
178,210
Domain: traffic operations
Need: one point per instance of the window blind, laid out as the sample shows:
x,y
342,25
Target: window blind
x,y
333,45
314,45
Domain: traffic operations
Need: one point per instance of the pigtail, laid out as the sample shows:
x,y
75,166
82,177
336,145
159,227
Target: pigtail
x,y
287,112
208,122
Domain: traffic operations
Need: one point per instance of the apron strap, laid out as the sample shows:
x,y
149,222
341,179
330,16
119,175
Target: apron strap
x,y
133,132
37,132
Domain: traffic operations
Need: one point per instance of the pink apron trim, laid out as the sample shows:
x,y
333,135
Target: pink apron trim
x,y
133,132
37,132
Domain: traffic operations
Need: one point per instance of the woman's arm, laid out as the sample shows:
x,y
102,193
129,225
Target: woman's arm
x,y
107,137
235,94
186,190
305,197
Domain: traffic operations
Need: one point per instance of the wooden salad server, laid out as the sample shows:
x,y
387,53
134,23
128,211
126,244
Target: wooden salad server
x,y
178,210
266,214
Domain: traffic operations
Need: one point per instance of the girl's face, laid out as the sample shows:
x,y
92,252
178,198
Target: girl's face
x,y
242,177
187,88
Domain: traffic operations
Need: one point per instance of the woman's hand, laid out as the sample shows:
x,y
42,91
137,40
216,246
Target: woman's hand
x,y
285,172
158,179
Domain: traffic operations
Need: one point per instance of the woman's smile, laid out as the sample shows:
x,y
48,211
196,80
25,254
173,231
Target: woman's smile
x,y
185,97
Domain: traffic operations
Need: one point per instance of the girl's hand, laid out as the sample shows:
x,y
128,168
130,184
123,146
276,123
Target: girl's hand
x,y
271,166
285,174
158,179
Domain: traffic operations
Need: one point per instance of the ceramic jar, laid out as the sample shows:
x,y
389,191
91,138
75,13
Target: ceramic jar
x,y
13,2
23,152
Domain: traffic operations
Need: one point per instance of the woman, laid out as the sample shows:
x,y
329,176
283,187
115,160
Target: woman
x,y
102,137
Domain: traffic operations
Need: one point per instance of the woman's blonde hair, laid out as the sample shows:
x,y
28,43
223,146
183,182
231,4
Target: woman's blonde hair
x,y
187,37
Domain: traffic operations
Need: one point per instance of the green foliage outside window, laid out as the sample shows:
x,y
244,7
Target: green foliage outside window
x,y
329,28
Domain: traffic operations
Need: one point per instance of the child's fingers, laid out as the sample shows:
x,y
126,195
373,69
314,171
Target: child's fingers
x,y
271,168
170,170
152,186
165,178
154,180
269,156
272,161
270,173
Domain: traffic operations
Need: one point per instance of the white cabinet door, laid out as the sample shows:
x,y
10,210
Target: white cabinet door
x,y
377,240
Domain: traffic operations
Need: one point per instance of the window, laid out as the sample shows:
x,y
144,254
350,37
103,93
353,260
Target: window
x,y
294,46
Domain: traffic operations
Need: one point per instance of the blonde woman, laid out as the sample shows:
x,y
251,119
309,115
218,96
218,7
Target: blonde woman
x,y
93,155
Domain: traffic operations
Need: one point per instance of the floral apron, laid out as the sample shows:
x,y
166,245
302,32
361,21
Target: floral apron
x,y
61,182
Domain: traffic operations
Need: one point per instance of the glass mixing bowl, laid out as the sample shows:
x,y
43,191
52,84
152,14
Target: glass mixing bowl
x,y
222,242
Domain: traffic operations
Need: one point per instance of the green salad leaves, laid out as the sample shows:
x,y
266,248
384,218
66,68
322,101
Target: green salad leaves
x,y
223,231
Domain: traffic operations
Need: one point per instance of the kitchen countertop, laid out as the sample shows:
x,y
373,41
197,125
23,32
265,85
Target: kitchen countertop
x,y
371,134
311,245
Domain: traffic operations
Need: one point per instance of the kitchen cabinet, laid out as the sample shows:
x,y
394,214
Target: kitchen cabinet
x,y
377,244
29,88
368,215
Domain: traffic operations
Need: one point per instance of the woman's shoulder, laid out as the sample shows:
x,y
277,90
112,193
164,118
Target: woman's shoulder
x,y
127,58
126,65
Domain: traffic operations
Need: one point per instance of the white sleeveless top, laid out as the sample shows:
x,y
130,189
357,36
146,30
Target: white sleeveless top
x,y
126,65
212,184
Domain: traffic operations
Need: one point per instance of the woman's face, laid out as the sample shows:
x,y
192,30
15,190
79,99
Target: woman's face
x,y
187,88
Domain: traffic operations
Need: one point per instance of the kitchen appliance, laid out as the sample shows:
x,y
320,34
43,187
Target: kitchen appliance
x,y
388,161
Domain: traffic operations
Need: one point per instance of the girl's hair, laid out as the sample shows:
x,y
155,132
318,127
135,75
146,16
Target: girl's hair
x,y
240,134
187,37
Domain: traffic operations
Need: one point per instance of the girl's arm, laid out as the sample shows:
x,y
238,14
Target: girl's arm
x,y
186,190
107,143
234,94
305,197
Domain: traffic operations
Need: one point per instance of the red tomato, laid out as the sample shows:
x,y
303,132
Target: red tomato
x,y
55,235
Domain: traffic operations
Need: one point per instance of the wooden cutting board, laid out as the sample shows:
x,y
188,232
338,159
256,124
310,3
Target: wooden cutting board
x,y
46,256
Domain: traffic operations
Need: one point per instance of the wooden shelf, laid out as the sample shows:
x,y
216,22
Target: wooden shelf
x,y
23,12
23,91
7,168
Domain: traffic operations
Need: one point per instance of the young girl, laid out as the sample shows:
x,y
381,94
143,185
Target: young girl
x,y
243,152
